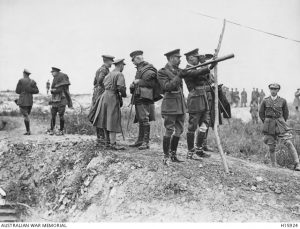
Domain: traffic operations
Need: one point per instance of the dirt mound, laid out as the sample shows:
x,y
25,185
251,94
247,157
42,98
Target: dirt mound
x,y
77,181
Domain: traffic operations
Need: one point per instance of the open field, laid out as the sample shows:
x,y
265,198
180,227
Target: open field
x,y
71,179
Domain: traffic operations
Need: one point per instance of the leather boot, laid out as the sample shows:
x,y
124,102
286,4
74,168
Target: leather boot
x,y
174,145
139,141
199,149
115,147
204,145
27,125
190,136
145,144
100,136
294,153
166,147
107,138
62,124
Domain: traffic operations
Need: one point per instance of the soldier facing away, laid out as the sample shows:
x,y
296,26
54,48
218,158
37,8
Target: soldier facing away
x,y
98,91
296,101
254,96
236,97
108,114
26,87
144,91
199,103
60,99
243,98
274,114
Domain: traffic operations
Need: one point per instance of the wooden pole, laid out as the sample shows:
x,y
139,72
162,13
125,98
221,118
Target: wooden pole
x,y
216,124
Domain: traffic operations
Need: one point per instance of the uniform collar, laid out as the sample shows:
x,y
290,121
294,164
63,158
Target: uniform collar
x,y
274,97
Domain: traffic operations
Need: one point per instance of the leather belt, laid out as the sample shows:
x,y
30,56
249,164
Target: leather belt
x,y
206,88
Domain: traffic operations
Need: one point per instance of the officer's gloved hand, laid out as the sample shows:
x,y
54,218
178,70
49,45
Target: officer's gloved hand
x,y
132,88
182,73
213,65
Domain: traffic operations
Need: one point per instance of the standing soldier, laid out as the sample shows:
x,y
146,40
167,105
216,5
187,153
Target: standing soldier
x,y
254,111
254,96
108,114
261,96
25,88
236,97
98,91
199,103
232,96
60,99
274,114
296,102
173,106
48,86
243,98
144,92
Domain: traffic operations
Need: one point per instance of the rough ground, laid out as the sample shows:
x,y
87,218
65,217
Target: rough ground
x,y
70,179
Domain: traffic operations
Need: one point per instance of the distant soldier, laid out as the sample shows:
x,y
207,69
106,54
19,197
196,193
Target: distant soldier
x,y
261,96
232,96
243,98
296,102
254,96
254,111
236,97
227,94
25,88
108,114
173,107
48,86
199,103
274,114
98,91
60,99
144,90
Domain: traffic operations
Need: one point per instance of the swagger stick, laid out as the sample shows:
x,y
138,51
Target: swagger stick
x,y
217,103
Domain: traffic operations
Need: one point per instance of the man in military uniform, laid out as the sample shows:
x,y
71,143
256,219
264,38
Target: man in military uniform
x,y
232,96
144,92
236,97
48,86
243,98
108,114
98,91
25,88
254,111
254,96
261,96
199,103
60,99
274,114
173,106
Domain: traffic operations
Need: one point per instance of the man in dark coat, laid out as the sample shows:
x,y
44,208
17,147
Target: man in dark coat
x,y
274,114
108,114
60,99
144,92
98,91
25,88
243,98
199,103
173,107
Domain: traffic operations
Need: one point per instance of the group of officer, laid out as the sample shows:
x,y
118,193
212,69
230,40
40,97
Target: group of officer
x,y
147,88
150,86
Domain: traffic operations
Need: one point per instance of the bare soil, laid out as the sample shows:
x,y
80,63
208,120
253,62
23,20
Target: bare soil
x,y
69,178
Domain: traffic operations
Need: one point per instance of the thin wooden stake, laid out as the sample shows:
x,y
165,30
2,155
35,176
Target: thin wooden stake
x,y
216,124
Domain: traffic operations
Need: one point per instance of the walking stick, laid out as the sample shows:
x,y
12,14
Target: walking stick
x,y
217,104
130,112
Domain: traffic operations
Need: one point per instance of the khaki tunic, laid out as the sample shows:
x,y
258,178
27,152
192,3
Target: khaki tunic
x,y
25,88
108,114
274,114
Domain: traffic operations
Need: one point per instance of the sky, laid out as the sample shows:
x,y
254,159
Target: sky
x,y
73,34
